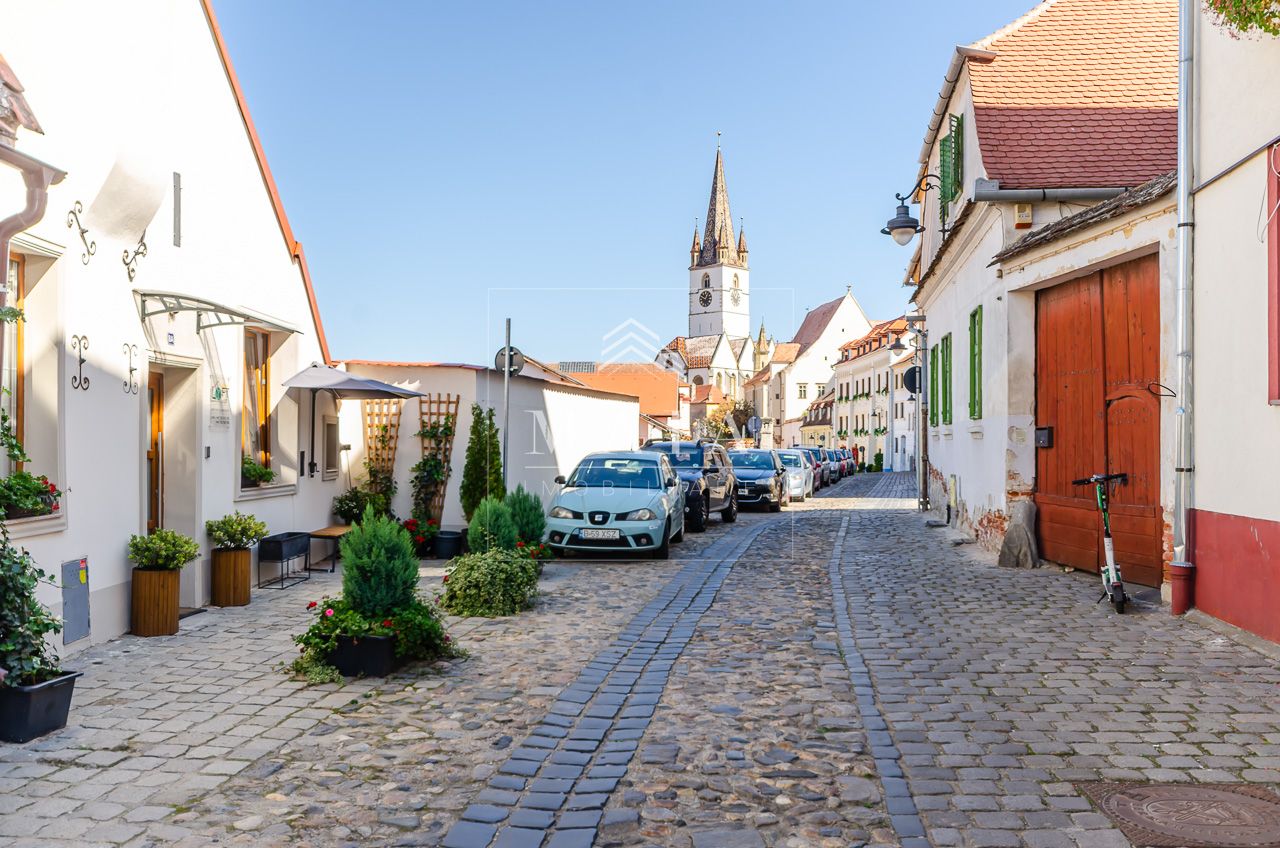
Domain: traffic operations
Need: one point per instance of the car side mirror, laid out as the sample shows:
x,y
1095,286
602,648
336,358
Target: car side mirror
x,y
560,479
671,482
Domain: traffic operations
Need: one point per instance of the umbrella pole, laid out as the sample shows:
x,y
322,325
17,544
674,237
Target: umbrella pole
x,y
311,457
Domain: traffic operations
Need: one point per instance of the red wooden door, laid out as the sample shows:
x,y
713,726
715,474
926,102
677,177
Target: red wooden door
x,y
1097,352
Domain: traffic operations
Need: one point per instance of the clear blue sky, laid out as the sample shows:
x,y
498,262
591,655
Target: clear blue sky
x,y
448,164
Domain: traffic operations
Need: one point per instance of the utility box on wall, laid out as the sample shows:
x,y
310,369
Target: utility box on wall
x,y
75,600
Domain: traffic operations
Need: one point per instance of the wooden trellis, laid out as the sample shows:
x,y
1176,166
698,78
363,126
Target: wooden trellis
x,y
381,431
435,411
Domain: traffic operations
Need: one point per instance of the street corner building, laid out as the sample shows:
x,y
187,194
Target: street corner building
x,y
1046,271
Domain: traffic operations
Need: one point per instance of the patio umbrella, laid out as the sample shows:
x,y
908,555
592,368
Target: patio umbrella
x,y
344,386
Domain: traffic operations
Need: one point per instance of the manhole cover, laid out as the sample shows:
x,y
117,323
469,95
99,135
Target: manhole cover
x,y
1163,815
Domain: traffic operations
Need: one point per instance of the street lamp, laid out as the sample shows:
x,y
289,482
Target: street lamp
x,y
903,226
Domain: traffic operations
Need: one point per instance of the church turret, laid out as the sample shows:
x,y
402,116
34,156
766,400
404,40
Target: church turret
x,y
742,248
696,249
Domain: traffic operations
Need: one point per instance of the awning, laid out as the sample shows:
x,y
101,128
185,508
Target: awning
x,y
208,313
326,378
343,385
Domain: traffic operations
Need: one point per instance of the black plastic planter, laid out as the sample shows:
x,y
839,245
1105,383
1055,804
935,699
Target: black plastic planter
x,y
30,711
448,544
368,656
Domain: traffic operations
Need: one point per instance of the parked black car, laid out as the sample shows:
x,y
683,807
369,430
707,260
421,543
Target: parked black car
x,y
707,475
762,478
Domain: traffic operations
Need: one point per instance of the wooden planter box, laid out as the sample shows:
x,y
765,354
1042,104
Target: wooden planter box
x,y
230,577
30,711
155,602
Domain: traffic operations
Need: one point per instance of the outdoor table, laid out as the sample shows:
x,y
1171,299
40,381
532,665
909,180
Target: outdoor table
x,y
283,549
333,533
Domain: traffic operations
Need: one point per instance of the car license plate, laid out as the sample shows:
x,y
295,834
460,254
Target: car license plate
x,y
744,491
590,533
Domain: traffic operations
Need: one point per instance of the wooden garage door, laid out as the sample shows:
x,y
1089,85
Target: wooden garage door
x,y
1097,354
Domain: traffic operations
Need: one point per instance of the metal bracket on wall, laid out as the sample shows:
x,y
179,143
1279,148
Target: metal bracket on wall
x,y
78,380
131,262
73,220
131,382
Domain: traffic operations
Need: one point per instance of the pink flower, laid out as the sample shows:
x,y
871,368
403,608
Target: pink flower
x,y
328,612
447,640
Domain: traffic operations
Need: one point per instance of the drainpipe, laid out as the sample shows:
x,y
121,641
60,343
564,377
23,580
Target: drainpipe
x,y
37,176
1184,461
989,190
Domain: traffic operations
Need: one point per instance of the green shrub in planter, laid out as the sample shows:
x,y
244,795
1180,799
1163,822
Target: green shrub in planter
x,y
379,566
253,473
528,514
24,621
491,527
163,550
235,531
493,583
351,504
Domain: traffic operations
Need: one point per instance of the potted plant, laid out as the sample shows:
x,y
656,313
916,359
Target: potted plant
x,y
159,558
380,622
232,536
253,474
35,691
423,534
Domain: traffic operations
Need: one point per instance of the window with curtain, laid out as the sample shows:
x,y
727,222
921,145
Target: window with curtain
x,y
256,418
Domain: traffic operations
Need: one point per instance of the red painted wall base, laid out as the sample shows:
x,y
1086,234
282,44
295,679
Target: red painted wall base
x,y
1237,576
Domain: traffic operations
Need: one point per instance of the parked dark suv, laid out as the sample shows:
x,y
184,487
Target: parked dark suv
x,y
708,479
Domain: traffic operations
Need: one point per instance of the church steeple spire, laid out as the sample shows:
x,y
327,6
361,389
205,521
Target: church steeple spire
x,y
717,238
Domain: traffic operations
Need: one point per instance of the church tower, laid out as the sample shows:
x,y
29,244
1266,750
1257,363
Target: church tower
x,y
719,283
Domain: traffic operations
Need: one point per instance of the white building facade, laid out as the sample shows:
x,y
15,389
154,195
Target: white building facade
x,y
166,300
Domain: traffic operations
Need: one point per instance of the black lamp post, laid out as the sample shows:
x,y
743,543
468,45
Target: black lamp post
x,y
903,226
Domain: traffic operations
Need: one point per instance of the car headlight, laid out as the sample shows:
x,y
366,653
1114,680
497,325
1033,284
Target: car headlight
x,y
640,515
560,512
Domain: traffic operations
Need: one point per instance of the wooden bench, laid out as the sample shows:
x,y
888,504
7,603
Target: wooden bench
x,y
334,534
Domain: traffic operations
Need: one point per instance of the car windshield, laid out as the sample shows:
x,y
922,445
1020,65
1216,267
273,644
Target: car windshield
x,y
751,459
790,460
682,454
603,472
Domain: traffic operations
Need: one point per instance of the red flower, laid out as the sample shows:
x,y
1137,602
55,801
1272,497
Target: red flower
x,y
444,579
411,524
386,622
447,639
419,539
312,605
519,544
431,522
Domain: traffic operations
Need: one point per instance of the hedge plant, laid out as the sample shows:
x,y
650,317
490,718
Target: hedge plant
x,y
527,513
490,584
163,550
379,566
492,527
236,531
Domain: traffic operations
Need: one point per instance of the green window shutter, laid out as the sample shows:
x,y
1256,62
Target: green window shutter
x,y
975,363
957,156
946,379
946,175
933,386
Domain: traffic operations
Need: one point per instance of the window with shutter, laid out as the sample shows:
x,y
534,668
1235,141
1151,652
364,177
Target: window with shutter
x,y
950,165
946,378
975,363
933,386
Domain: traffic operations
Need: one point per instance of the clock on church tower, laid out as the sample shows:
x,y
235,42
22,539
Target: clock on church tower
x,y
719,279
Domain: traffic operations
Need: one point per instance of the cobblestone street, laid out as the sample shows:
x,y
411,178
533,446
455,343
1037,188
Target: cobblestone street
x,y
836,675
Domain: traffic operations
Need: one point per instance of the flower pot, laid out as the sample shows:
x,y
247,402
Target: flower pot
x,y
1181,587
368,656
426,550
448,544
230,572
30,711
154,611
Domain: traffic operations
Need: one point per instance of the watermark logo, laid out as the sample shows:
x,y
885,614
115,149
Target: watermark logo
x,y
630,341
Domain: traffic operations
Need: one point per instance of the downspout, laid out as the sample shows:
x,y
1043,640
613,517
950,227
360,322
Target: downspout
x,y
37,176
1184,460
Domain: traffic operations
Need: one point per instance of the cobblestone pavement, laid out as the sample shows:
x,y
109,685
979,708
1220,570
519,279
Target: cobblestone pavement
x,y
1001,689
836,675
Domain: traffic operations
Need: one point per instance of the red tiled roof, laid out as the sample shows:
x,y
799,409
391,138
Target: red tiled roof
x,y
1081,93
882,334
759,378
814,323
786,353
708,394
